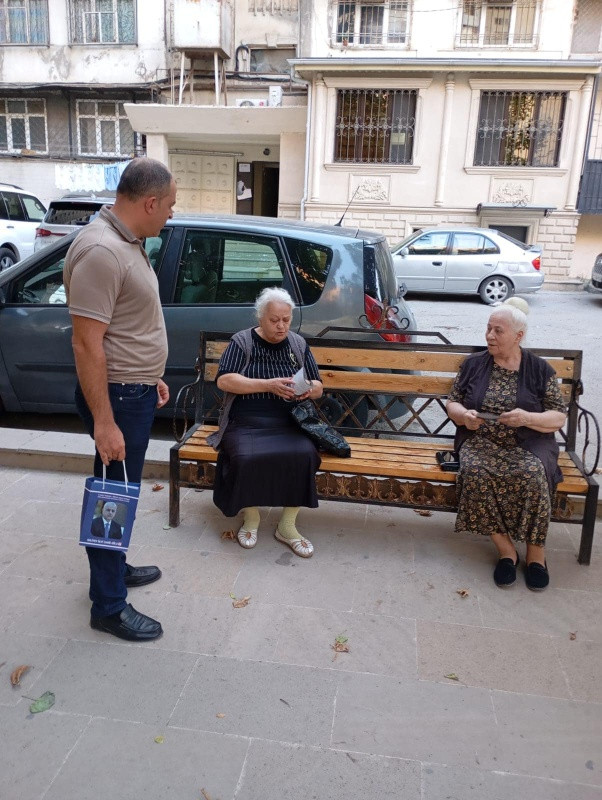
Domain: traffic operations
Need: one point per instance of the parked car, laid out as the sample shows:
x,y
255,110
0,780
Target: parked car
x,y
68,214
210,270
20,213
596,282
459,260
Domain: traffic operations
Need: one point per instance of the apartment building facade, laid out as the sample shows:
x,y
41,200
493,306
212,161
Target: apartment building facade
x,y
398,113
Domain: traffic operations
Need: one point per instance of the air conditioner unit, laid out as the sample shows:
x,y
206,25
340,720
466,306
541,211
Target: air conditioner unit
x,y
247,102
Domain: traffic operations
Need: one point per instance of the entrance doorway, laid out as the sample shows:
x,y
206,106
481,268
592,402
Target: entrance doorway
x,y
520,232
265,179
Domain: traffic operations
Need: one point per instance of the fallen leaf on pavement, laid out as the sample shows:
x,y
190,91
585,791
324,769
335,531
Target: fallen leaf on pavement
x,y
157,487
167,527
159,739
424,512
244,601
205,795
340,645
452,676
17,674
220,715
229,535
462,592
43,703
573,636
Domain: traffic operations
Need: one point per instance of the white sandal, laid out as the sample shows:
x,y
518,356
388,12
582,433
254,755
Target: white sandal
x,y
246,539
300,547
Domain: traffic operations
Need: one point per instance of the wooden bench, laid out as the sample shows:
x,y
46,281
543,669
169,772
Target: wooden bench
x,y
393,453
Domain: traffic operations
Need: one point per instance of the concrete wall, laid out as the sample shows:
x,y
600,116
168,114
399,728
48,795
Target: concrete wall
x,y
61,62
588,244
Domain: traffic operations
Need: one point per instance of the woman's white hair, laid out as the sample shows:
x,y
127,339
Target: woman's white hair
x,y
517,309
272,295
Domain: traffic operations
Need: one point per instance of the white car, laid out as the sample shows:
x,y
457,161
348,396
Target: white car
x,y
20,214
457,260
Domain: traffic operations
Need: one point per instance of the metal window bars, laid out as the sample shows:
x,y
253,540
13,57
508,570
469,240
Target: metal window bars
x,y
24,22
519,129
498,23
103,21
372,23
375,126
274,6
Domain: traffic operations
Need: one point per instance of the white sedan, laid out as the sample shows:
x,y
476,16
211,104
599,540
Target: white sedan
x,y
456,260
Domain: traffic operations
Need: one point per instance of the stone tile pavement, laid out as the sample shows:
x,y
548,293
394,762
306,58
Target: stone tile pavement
x,y
252,703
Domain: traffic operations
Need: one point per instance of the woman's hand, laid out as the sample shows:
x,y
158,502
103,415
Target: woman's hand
x,y
517,418
281,387
471,420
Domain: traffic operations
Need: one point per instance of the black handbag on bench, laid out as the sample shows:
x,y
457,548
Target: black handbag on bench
x,y
323,435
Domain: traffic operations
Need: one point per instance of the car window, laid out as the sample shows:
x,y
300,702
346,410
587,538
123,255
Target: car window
x,y
71,213
3,209
472,244
490,246
42,285
225,268
14,207
156,246
433,243
33,208
311,263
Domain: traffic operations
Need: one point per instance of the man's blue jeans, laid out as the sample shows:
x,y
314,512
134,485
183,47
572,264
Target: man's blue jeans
x,y
133,407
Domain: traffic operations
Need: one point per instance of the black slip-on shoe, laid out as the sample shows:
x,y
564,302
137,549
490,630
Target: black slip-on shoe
x,y
537,576
140,576
504,574
129,624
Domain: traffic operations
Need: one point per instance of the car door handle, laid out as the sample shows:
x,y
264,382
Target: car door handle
x,y
487,264
437,263
10,227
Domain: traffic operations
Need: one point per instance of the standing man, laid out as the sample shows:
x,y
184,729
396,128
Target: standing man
x,y
120,348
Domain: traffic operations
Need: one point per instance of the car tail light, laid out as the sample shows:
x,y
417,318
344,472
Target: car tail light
x,y
45,232
537,262
375,315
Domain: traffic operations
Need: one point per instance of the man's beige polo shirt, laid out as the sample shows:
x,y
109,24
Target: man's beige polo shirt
x,y
108,277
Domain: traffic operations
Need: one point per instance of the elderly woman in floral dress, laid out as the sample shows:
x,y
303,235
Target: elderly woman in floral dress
x,y
264,457
509,461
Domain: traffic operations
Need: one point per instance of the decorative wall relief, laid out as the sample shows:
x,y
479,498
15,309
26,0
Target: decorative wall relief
x,y
512,193
369,188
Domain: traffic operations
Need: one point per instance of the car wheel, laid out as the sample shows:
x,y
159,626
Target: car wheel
x,y
495,290
7,258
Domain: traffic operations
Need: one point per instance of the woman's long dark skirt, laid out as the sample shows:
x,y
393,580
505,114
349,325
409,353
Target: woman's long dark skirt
x,y
265,461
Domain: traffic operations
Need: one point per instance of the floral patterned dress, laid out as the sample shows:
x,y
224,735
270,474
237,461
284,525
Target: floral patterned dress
x,y
501,487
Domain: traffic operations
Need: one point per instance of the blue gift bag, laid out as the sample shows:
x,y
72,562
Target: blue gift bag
x,y
108,512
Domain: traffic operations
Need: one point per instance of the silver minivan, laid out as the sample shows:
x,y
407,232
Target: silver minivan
x,y
210,270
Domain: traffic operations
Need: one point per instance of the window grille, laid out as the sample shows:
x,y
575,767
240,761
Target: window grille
x,y
103,129
375,126
520,129
23,21
372,22
497,23
103,21
273,6
23,126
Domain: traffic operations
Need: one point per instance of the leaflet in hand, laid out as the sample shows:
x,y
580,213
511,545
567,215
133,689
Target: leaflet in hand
x,y
300,383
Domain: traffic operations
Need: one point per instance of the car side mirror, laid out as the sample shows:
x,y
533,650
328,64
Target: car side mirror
x,y
402,290
404,251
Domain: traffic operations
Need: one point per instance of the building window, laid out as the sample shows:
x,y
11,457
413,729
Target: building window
x,y
519,129
375,126
23,126
272,60
498,23
372,22
103,21
103,129
23,21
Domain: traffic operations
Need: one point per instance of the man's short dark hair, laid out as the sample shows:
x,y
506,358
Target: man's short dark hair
x,y
144,177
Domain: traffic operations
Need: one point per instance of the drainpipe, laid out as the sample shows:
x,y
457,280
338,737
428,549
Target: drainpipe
x,y
307,145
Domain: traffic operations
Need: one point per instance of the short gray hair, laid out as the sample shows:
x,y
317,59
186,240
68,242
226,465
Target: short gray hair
x,y
273,294
517,309
144,177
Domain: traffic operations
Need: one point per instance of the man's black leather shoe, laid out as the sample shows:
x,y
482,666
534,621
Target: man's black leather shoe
x,y
129,624
140,576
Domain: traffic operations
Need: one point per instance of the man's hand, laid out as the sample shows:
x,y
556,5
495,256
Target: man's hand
x,y
162,393
471,420
109,442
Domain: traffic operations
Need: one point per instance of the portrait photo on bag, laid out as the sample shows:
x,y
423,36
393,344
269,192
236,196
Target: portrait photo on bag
x,y
108,513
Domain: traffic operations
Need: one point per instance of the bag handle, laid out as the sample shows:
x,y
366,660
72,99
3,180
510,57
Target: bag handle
x,y
104,476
